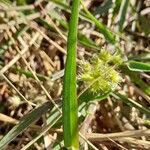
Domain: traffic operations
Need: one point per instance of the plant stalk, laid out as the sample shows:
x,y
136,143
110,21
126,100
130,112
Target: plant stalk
x,y
70,105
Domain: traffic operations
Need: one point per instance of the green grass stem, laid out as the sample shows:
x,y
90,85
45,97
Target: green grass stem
x,y
70,106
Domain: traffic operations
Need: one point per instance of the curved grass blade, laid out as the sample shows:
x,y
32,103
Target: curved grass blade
x,y
24,123
90,18
139,66
102,28
70,106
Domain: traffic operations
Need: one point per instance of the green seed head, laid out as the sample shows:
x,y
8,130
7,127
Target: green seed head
x,y
99,75
116,60
104,56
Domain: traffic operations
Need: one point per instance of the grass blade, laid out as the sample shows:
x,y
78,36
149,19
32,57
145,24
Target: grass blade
x,y
131,103
117,4
24,123
139,66
88,96
122,13
87,42
90,18
141,57
135,78
104,8
70,107
54,117
102,28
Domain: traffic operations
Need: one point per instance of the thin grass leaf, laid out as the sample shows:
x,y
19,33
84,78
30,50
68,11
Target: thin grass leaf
x,y
90,18
61,4
117,4
87,42
122,13
70,106
103,9
53,118
139,66
24,123
88,96
66,8
41,77
135,78
102,28
30,75
131,103
140,57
